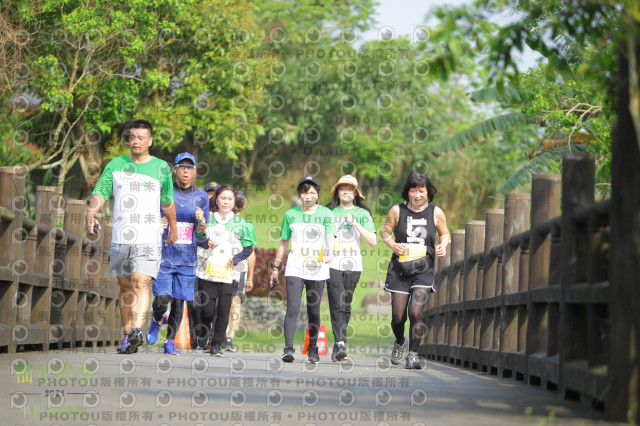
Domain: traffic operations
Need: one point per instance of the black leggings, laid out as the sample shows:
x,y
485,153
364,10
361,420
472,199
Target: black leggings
x,y
160,304
294,297
340,287
401,307
216,304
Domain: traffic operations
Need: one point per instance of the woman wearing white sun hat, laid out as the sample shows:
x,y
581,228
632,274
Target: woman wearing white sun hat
x,y
352,220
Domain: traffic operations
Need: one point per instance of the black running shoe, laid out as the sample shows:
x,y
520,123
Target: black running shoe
x,y
215,350
339,352
314,356
287,356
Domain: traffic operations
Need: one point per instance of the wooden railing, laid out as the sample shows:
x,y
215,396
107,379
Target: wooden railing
x,y
525,293
55,290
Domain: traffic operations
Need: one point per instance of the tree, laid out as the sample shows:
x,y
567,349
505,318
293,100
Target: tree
x,y
79,70
571,96
78,76
558,114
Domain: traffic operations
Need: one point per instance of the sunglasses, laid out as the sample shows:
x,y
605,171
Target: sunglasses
x,y
185,166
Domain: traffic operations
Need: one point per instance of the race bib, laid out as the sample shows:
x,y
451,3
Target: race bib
x,y
185,233
219,272
413,251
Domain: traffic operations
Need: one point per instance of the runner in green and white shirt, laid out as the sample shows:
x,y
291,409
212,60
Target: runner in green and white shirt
x,y
231,240
353,220
141,185
310,228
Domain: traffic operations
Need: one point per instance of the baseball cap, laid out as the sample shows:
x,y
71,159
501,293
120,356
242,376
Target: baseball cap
x,y
308,179
184,155
240,195
211,186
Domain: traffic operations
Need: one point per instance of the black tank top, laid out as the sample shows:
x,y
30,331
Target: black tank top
x,y
416,227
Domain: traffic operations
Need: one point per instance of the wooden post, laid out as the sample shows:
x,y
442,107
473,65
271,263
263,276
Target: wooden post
x,y
493,237
516,220
74,223
443,262
11,251
46,213
457,254
577,190
623,401
92,271
545,205
473,243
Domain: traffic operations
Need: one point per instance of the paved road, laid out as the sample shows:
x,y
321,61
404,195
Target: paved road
x,y
104,388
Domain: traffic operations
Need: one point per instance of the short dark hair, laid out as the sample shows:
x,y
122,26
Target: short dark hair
x,y
141,124
306,186
417,180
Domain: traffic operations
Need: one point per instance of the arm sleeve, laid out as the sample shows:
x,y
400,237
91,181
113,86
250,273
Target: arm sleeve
x,y
285,231
104,187
166,193
246,252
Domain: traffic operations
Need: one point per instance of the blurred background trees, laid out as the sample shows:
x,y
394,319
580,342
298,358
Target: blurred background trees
x,y
265,92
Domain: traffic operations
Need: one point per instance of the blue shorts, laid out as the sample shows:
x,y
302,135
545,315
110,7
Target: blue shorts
x,y
175,281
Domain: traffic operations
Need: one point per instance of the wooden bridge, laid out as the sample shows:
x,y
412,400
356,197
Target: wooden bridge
x,y
544,293
526,295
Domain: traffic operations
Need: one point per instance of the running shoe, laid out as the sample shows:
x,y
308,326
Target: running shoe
x,y
287,356
314,356
170,348
228,345
215,350
126,347
339,352
413,361
152,332
398,351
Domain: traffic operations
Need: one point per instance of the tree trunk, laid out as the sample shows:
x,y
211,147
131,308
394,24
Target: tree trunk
x,y
624,334
191,145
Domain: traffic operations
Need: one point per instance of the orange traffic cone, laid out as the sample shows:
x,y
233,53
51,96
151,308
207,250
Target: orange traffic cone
x,y
323,345
183,336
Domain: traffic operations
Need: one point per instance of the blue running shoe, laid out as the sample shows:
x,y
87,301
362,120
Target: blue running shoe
x,y
126,347
125,344
170,348
152,332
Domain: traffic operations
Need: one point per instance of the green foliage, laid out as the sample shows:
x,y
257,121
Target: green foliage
x,y
569,96
482,130
88,67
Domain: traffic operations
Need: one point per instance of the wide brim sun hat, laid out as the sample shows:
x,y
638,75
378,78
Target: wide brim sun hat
x,y
346,180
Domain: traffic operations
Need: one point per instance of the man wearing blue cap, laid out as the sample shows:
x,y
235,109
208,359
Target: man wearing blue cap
x,y
176,278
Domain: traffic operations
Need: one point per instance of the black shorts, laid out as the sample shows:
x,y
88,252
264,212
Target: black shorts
x,y
398,283
217,289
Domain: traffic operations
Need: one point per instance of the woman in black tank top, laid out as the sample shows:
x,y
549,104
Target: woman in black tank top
x,y
410,273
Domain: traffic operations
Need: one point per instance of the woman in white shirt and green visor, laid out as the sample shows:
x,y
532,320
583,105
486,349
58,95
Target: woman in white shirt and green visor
x,y
310,227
